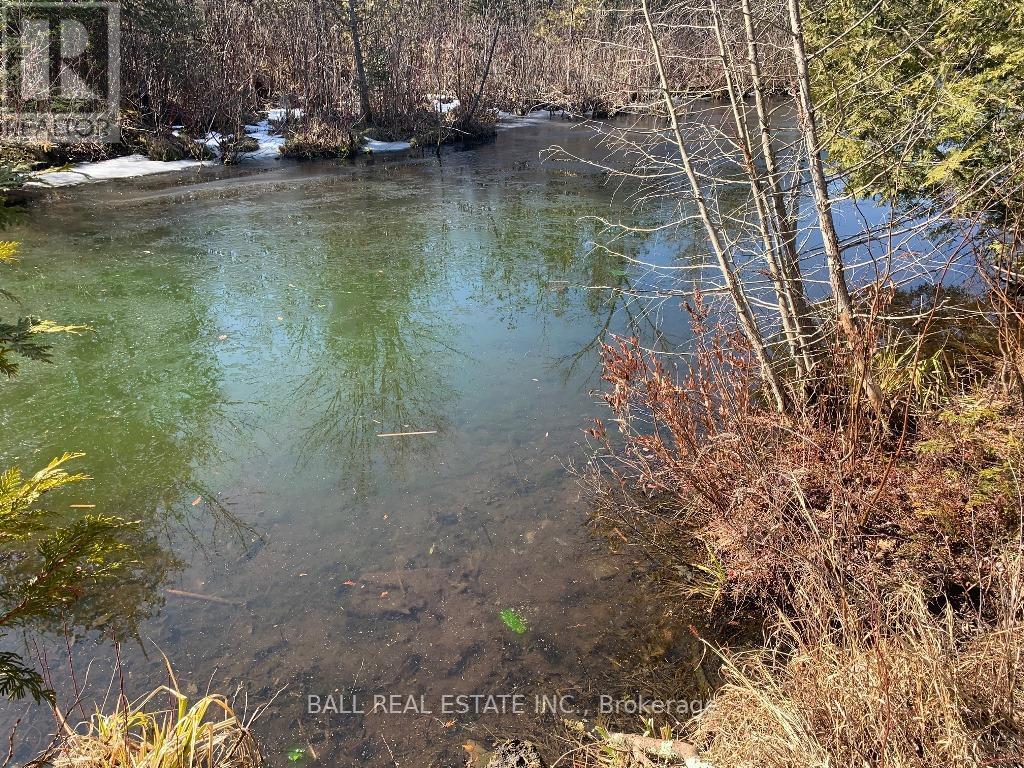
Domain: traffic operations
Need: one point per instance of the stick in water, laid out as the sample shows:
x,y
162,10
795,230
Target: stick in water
x,y
408,434
203,598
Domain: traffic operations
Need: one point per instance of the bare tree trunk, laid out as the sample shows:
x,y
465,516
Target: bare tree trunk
x,y
773,252
467,117
819,184
725,263
364,88
786,225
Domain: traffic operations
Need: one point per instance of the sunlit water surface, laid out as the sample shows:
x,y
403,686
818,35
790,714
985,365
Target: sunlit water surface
x,y
251,340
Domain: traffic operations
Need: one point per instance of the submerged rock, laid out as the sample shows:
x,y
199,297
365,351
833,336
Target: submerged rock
x,y
407,593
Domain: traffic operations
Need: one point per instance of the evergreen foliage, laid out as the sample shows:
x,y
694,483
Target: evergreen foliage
x,y
48,561
925,98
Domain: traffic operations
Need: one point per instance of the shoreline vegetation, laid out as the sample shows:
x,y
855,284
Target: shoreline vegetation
x,y
334,78
836,460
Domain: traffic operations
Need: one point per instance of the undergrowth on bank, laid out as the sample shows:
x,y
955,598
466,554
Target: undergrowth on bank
x,y
884,559
316,139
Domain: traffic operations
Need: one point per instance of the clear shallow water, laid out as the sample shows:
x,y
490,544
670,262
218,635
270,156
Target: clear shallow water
x,y
251,340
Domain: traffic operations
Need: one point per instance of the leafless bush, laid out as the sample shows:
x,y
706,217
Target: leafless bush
x,y
212,64
698,456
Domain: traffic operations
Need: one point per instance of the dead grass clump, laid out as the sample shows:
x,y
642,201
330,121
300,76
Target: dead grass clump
x,y
457,126
34,157
314,139
233,147
901,685
167,147
906,687
204,733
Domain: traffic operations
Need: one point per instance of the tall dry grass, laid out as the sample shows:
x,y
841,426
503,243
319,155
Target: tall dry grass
x,y
213,64
166,728
906,687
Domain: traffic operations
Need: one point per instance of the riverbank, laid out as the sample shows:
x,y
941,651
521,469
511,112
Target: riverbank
x,y
267,153
886,567
384,546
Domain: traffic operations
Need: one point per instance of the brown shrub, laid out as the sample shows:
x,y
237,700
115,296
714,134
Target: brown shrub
x,y
699,464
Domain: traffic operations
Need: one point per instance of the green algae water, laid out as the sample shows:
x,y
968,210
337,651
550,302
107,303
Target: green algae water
x,y
341,401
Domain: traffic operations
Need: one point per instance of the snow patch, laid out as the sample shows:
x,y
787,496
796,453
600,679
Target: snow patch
x,y
279,115
106,170
372,145
133,166
507,120
270,143
442,102
445,107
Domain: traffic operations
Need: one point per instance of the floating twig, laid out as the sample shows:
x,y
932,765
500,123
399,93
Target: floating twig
x,y
203,598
